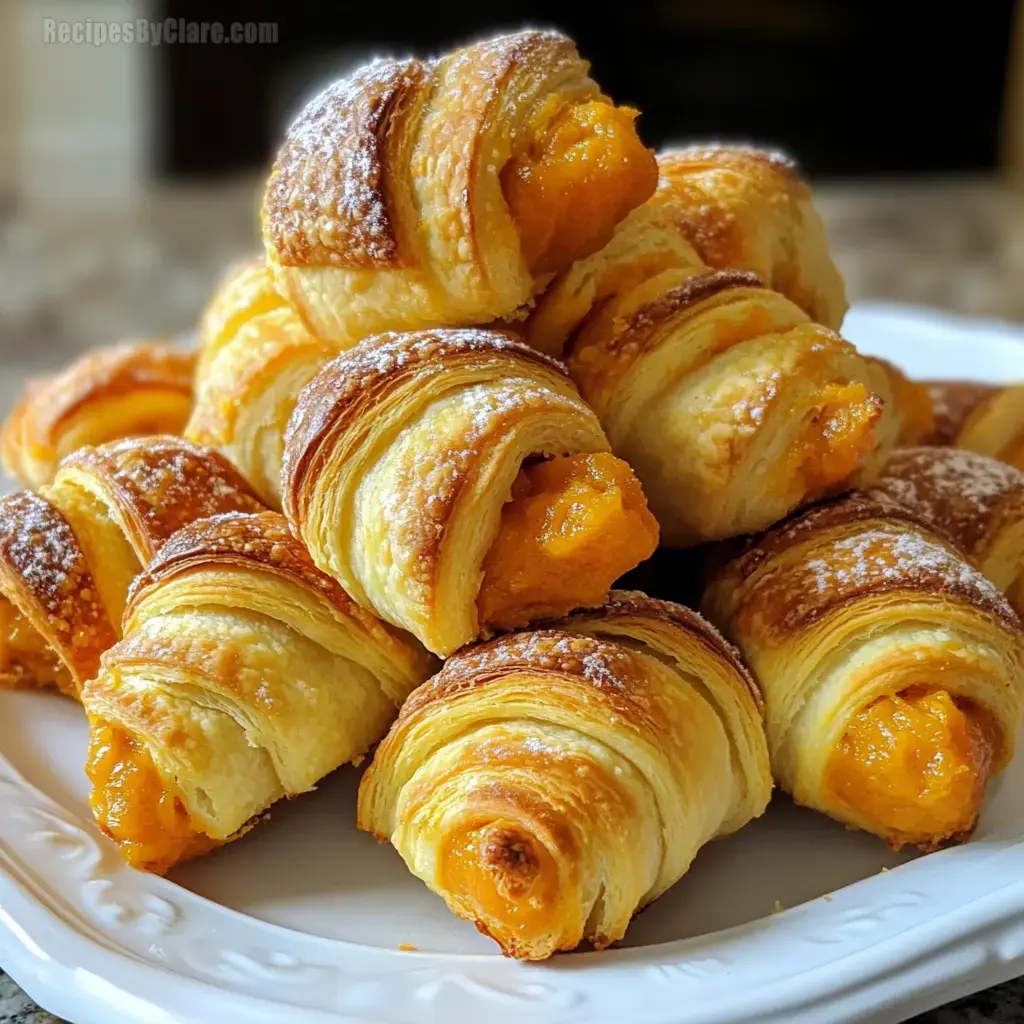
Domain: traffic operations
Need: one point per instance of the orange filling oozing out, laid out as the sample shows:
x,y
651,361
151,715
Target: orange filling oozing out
x,y
136,806
916,764
574,525
26,658
840,436
577,174
508,879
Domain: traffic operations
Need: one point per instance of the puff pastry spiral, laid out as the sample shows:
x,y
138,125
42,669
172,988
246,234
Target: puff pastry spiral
x,y
255,357
975,501
892,671
448,192
549,784
717,208
69,553
731,405
129,390
244,676
455,482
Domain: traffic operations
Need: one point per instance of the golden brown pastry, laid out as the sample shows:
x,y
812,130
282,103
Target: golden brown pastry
x,y
550,784
244,676
245,291
455,482
892,671
975,501
256,356
129,390
911,403
69,553
731,407
718,208
730,404
983,418
418,193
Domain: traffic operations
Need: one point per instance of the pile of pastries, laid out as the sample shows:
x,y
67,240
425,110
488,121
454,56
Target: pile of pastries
x,y
496,355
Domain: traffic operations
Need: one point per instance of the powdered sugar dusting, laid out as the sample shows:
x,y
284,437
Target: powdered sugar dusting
x,y
166,482
952,403
885,557
961,492
326,201
41,563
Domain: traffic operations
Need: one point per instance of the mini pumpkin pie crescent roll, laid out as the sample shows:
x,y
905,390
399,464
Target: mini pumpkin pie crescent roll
x,y
715,208
129,390
975,501
244,676
892,671
255,358
418,193
455,482
549,784
731,407
69,553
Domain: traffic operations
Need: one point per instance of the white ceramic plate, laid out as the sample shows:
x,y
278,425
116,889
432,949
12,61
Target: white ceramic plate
x,y
301,922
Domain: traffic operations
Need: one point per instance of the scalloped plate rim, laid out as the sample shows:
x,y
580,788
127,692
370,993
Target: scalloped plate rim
x,y
978,941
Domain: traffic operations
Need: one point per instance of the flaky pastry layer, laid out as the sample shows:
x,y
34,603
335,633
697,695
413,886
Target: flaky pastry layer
x,y
549,784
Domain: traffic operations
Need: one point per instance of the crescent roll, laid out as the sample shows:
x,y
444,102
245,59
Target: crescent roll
x,y
69,553
550,784
417,193
255,358
731,407
715,207
975,501
244,676
455,482
129,390
980,417
892,671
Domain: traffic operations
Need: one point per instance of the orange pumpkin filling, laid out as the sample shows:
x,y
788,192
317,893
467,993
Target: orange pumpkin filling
x,y
25,656
506,877
577,174
840,436
136,806
574,525
916,764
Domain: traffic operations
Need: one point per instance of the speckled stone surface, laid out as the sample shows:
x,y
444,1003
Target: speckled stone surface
x,y
956,245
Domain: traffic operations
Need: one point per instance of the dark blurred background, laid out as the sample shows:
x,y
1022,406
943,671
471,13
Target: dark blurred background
x,y
852,87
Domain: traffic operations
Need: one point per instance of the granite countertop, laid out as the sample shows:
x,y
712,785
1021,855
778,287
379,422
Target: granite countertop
x,y
70,283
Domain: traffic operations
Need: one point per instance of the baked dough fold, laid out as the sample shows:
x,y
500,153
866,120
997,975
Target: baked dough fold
x,y
255,358
892,671
549,784
69,553
245,675
128,390
975,501
418,193
401,457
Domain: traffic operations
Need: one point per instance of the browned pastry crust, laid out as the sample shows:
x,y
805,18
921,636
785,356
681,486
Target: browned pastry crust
x,y
400,455
746,208
385,206
974,500
862,600
550,783
129,390
70,552
952,403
